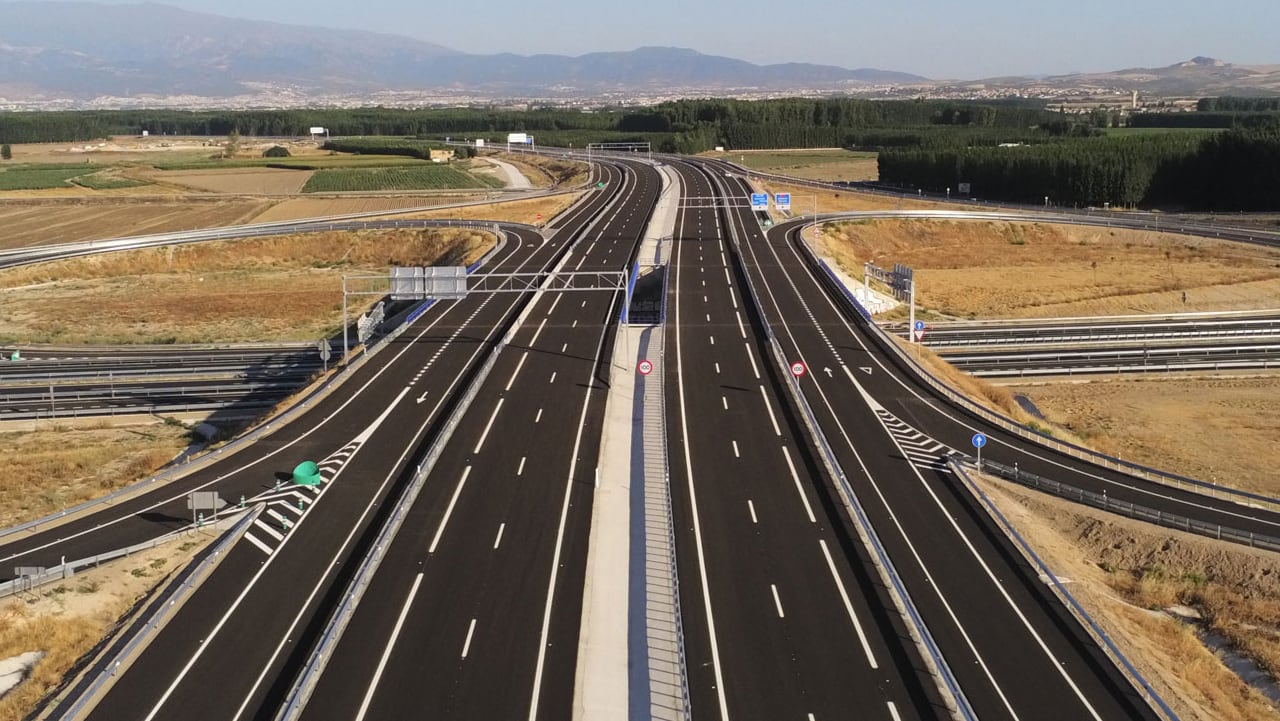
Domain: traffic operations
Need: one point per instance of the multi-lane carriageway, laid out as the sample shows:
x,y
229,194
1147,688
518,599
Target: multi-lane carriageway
x,y
474,611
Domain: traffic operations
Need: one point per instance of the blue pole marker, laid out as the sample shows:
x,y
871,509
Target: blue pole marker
x,y
979,441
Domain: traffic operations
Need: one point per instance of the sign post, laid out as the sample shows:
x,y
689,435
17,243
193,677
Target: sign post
x,y
979,441
199,501
325,352
918,330
798,369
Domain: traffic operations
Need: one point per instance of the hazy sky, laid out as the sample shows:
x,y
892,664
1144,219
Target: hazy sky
x,y
936,38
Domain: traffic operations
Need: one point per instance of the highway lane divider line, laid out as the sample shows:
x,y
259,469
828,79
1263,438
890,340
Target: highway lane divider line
x,y
118,657
305,683
1100,636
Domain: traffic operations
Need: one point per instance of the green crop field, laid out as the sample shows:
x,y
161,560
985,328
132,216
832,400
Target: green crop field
x,y
423,177
40,178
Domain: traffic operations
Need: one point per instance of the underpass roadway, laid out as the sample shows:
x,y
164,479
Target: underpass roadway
x,y
1015,651
783,614
474,611
363,436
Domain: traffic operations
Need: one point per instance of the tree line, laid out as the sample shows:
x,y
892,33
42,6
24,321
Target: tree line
x,y
1233,170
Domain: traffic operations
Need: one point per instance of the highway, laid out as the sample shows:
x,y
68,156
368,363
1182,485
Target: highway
x,y
782,618
1121,358
1015,651
482,588
252,623
1086,332
113,381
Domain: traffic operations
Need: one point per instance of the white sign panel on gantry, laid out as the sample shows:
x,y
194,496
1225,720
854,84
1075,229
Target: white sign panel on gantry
x,y
517,138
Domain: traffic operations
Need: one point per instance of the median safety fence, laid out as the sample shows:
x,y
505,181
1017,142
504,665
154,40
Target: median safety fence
x,y
121,654
1099,635
887,342
1132,510
305,684
317,394
944,679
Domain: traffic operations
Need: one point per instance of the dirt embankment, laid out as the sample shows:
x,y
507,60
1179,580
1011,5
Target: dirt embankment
x,y
1127,573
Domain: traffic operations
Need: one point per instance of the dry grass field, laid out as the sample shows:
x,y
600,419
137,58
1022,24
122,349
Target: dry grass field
x,y
263,289
1126,573
297,208
978,269
1221,429
49,470
515,211
829,164
32,222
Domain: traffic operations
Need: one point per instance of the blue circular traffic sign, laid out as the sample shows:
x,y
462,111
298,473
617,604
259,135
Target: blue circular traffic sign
x,y
979,440
919,325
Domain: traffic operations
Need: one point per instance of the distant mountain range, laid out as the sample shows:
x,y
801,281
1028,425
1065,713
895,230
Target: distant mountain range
x,y
76,52
83,50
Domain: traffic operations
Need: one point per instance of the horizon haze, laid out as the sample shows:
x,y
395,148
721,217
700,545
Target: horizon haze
x,y
982,39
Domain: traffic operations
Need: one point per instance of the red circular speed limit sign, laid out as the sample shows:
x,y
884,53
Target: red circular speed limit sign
x,y
798,369
645,367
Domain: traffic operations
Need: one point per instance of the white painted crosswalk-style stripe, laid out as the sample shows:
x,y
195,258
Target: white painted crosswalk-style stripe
x,y
291,507
268,530
261,546
922,451
276,515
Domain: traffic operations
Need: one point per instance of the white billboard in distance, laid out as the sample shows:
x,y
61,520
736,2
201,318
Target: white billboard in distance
x,y
517,138
318,131
479,142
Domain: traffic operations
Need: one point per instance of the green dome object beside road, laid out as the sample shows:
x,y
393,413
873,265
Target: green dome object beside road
x,y
307,474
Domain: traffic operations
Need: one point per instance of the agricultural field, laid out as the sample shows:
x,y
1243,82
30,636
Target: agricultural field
x,y
29,222
425,177
831,164
37,177
255,181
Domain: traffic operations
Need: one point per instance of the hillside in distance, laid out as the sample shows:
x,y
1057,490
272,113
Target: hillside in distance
x,y
86,50
1197,77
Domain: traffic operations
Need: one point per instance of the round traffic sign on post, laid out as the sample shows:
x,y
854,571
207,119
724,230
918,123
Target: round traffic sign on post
x,y
798,369
979,440
645,367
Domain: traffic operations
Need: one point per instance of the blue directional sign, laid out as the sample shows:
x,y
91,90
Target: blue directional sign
x,y
760,201
919,325
979,440
782,200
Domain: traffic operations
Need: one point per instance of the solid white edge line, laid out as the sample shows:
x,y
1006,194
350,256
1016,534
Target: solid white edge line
x,y
799,489
466,645
449,511
487,426
844,596
261,546
386,652
769,407
777,601
533,341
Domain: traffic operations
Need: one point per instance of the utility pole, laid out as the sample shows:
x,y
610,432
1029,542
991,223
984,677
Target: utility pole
x,y
913,311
